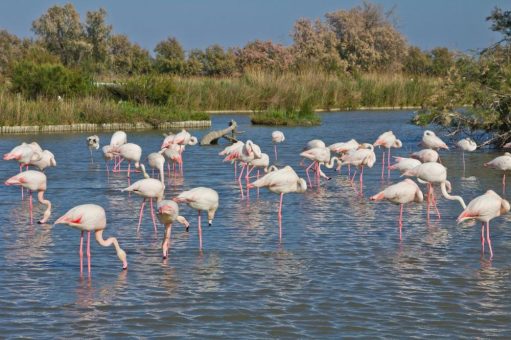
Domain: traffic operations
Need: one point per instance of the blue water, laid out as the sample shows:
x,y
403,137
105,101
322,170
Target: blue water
x,y
340,270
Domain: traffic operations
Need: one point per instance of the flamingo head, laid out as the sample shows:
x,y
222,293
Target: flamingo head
x,y
302,185
12,155
15,180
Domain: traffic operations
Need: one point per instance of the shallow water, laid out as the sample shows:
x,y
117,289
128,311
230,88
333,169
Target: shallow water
x,y
340,269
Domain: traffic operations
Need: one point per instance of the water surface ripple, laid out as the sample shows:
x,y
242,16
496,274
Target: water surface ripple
x,y
340,270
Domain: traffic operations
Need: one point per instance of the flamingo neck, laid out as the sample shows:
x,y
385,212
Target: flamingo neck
x,y
452,198
47,213
121,254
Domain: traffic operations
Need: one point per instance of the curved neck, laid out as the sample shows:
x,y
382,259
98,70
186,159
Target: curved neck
x,y
121,254
142,166
330,164
452,198
47,213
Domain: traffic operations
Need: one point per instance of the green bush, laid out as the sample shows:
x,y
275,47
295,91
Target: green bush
x,y
147,90
48,80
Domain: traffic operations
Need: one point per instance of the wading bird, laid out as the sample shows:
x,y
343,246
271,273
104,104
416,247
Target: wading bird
x,y
319,156
466,144
168,212
92,143
387,140
431,141
200,199
484,208
402,164
406,191
362,157
277,137
91,217
502,163
426,155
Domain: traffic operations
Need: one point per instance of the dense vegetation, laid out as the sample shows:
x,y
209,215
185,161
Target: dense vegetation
x,y
475,98
74,71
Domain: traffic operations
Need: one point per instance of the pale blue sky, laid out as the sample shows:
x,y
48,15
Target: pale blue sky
x,y
457,24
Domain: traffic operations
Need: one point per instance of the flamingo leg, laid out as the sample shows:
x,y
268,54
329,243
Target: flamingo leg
x,y
152,214
141,213
235,169
88,251
349,170
166,240
107,169
280,216
275,147
361,179
200,232
307,172
80,252
504,183
168,168
31,207
129,168
488,239
428,201
383,164
22,193
400,222
239,180
433,201
482,236
257,187
388,163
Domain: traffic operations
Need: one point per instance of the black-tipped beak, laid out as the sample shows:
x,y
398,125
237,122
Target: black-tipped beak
x,y
187,229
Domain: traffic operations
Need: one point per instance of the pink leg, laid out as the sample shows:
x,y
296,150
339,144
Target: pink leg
x,y
275,147
361,181
141,213
257,187
200,233
280,216
168,168
307,172
22,193
88,251
382,164
80,251
107,169
388,163
482,236
488,239
129,168
31,207
239,180
349,170
152,214
433,201
428,201
400,222
504,183
166,241
235,169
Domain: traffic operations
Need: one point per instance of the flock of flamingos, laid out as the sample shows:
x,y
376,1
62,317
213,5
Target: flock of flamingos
x,y
425,165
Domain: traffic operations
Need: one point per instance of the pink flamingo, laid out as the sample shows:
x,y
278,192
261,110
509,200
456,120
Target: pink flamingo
x,y
108,155
426,155
362,157
92,143
148,188
24,154
156,161
132,153
403,164
466,144
47,160
319,156
502,163
282,181
343,148
434,173
91,217
200,199
260,163
33,181
174,156
234,148
118,138
168,212
277,137
245,155
387,140
431,141
484,208
406,191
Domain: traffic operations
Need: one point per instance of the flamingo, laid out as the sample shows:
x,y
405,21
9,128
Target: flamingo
x,y
47,160
281,182
132,153
24,154
247,153
466,144
387,140
108,155
431,141
91,217
234,148
33,181
277,137
502,163
172,155
118,138
362,157
484,208
92,143
434,173
200,199
318,156
406,191
148,188
342,148
261,163
156,161
168,212
402,164
426,155
181,138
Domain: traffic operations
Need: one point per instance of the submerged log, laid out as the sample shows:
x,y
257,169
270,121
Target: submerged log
x,y
213,136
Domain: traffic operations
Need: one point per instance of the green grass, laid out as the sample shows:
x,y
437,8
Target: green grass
x,y
303,117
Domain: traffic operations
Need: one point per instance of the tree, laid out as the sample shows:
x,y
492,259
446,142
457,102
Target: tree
x,y
442,61
128,58
170,56
264,55
417,61
215,61
501,22
367,38
98,34
61,32
315,45
10,50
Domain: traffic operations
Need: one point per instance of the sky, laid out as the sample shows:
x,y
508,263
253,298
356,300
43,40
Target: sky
x,y
457,24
